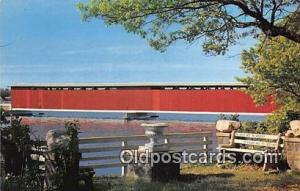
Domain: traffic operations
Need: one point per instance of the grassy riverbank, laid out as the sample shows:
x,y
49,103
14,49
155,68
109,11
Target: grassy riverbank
x,y
242,178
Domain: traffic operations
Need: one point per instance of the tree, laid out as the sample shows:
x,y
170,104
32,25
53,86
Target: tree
x,y
273,68
4,93
220,22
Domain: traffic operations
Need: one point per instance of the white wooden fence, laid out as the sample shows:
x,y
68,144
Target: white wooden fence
x,y
103,152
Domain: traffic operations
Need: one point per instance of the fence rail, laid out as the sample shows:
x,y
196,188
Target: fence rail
x,y
93,149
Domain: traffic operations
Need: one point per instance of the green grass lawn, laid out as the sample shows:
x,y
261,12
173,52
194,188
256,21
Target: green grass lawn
x,y
203,178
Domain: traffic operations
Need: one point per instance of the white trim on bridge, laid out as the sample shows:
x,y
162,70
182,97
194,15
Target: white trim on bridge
x,y
142,111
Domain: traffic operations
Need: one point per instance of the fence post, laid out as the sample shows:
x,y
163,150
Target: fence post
x,y
124,145
166,141
205,146
205,143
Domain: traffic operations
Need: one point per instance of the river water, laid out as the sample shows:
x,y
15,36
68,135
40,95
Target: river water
x,y
112,124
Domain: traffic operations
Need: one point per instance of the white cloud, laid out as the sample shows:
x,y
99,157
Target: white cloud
x,y
119,50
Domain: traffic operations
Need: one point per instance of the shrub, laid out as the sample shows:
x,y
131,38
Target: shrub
x,y
254,127
234,117
21,172
15,146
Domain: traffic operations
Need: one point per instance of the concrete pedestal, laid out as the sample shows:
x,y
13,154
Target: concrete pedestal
x,y
157,172
223,138
292,146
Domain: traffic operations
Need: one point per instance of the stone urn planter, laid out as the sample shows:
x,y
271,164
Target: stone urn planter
x,y
224,128
62,160
292,145
154,170
227,126
154,131
295,127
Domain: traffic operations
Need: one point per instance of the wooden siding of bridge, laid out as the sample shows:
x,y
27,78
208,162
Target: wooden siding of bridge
x,y
231,100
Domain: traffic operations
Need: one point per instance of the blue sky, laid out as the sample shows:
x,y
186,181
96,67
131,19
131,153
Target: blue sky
x,y
49,43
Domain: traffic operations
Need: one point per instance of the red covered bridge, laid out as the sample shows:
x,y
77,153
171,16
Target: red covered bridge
x,y
137,97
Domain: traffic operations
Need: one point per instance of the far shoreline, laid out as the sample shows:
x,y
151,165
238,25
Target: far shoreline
x,y
111,127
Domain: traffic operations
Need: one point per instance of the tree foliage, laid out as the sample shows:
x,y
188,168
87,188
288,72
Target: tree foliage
x,y
4,93
220,22
273,68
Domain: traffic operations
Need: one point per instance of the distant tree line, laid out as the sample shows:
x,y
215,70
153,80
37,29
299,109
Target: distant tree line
x,y
4,93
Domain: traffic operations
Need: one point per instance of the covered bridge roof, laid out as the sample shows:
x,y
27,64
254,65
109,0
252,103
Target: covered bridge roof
x,y
132,85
